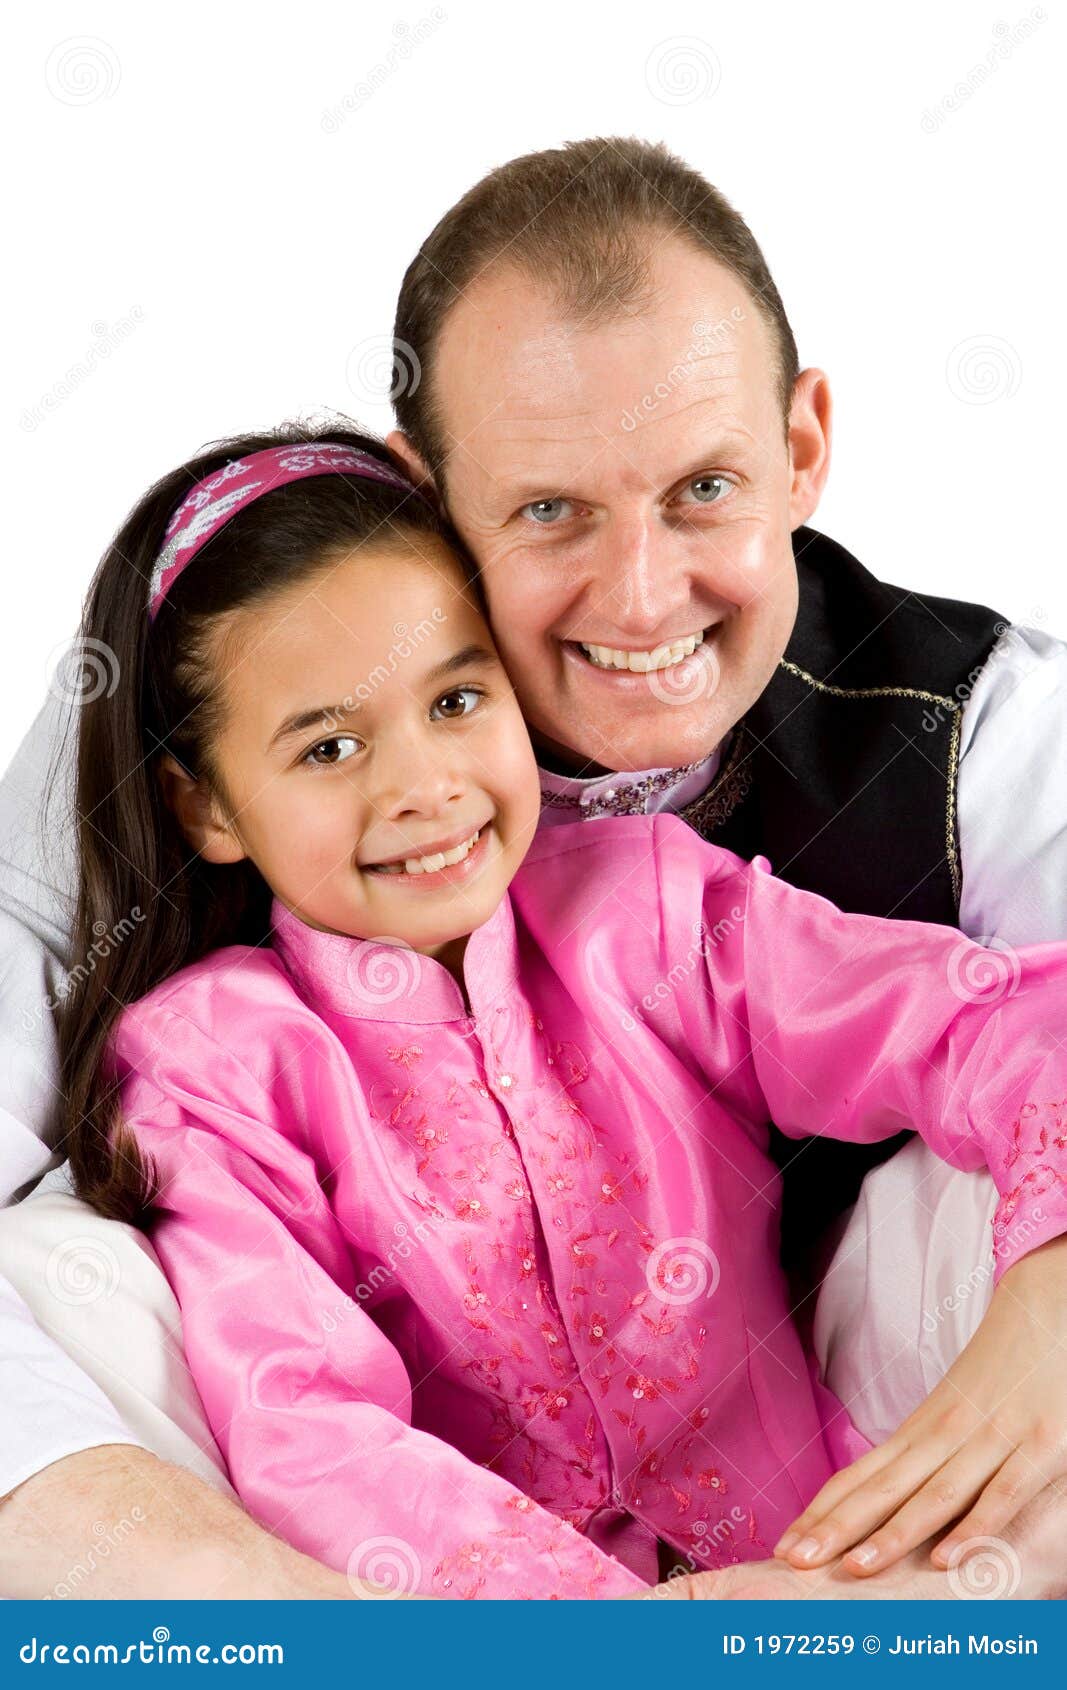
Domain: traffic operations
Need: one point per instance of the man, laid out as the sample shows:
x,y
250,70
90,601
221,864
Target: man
x,y
612,409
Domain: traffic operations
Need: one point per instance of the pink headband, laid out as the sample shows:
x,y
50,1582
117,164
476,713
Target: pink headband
x,y
226,491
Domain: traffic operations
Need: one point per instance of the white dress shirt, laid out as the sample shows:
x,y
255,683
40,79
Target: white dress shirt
x,y
1012,805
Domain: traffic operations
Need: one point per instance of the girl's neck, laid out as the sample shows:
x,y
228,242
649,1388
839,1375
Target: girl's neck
x,y
451,956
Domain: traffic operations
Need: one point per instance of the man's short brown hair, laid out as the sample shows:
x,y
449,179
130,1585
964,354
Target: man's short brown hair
x,y
579,218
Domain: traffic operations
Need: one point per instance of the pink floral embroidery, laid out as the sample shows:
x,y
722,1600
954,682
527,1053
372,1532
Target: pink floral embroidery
x,y
1028,1143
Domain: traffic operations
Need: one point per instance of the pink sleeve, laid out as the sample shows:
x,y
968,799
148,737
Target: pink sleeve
x,y
310,1403
860,1028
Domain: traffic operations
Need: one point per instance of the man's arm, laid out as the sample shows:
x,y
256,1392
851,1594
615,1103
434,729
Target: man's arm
x,y
117,1522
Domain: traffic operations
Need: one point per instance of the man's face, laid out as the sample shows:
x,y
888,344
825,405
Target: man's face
x,y
629,494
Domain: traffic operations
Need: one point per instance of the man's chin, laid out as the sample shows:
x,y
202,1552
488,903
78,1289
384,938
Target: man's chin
x,y
657,746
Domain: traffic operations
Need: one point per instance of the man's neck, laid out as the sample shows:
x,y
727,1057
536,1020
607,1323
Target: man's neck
x,y
558,760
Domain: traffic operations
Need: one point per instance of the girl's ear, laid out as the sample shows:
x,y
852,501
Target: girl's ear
x,y
194,808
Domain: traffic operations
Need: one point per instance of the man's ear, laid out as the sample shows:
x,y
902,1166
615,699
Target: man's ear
x,y
401,447
196,812
811,416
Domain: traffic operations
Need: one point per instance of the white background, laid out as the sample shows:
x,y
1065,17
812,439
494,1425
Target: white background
x,y
212,206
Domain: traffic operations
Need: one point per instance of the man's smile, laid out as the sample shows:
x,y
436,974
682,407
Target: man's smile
x,y
687,663
641,661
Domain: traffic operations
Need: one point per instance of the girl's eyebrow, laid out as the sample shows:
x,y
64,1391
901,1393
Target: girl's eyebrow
x,y
467,657
308,718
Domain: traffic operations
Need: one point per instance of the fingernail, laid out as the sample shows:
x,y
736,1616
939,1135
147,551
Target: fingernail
x,y
864,1556
805,1550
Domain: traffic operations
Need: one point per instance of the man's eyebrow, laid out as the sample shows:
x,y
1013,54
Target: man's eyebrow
x,y
524,491
468,656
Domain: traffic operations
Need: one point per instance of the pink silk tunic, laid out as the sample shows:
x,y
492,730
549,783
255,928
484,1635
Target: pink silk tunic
x,y
483,1302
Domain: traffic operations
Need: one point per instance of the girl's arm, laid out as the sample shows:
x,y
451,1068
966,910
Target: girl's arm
x,y
859,1028
309,1401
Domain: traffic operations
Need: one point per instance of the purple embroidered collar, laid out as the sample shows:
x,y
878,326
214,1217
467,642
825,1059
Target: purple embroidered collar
x,y
627,794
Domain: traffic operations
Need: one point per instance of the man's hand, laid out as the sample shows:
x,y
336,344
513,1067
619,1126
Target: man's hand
x,y
989,1438
117,1522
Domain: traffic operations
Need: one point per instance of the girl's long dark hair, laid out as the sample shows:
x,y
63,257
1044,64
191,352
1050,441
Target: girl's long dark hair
x,y
146,903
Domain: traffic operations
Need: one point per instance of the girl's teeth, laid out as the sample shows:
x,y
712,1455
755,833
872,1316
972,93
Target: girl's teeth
x,y
440,859
640,662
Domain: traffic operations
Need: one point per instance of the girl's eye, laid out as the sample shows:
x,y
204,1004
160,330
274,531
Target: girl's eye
x,y
547,511
452,705
707,489
334,751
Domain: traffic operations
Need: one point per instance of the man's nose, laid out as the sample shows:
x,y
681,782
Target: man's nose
x,y
642,577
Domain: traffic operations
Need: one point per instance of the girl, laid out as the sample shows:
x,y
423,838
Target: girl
x,y
457,1143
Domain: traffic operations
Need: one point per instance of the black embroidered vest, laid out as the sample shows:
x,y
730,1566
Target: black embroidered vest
x,y
843,774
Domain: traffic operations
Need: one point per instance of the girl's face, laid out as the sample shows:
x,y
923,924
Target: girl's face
x,y
380,773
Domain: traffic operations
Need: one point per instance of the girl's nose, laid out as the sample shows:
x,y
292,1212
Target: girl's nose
x,y
420,784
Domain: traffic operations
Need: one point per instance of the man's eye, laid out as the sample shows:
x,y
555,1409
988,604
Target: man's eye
x,y
547,511
333,750
452,705
707,489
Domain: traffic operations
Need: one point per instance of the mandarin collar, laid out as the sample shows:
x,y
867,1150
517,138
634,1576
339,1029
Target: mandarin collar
x,y
644,792
373,980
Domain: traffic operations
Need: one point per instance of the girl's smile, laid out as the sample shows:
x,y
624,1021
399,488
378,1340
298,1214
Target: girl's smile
x,y
442,864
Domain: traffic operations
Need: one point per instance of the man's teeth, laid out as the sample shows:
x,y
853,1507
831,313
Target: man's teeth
x,y
430,865
640,662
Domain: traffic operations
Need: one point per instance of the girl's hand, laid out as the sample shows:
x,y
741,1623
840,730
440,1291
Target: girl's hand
x,y
989,1438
